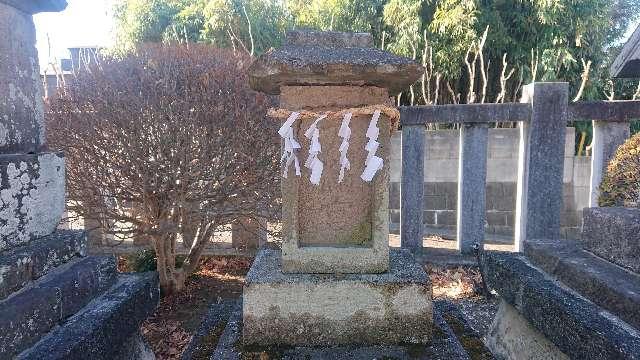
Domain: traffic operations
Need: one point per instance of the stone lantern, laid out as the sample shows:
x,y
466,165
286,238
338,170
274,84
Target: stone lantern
x,y
335,280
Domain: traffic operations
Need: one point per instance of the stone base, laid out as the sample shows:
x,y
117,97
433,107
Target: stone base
x,y
443,346
315,309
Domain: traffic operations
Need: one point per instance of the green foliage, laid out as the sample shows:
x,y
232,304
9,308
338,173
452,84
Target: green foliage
x,y
559,34
621,183
141,261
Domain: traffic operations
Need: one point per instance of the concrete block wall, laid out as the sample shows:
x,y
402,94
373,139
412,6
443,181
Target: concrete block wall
x,y
441,176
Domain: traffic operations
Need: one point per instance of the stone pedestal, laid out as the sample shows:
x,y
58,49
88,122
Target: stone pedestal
x,y
334,281
310,309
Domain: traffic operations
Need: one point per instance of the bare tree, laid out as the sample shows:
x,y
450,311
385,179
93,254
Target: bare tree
x,y
167,143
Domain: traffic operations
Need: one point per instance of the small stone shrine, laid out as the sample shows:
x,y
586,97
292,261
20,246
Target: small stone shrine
x,y
55,302
335,281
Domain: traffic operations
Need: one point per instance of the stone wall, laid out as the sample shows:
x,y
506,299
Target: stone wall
x,y
441,175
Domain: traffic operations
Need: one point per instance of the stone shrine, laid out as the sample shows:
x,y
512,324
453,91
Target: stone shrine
x,y
335,280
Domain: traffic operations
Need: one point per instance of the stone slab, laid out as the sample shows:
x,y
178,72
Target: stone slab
x,y
512,337
443,346
578,327
336,309
32,194
27,315
24,264
608,285
321,62
36,6
104,326
613,233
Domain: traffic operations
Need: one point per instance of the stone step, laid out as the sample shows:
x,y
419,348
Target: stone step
x,y
606,284
21,265
29,314
576,326
105,327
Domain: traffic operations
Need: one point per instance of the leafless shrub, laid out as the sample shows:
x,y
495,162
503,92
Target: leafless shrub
x,y
167,143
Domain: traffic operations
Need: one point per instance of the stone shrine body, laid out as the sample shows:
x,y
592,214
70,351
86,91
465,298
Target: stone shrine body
x,y
335,280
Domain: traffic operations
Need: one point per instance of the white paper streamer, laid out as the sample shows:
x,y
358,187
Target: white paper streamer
x,y
313,162
290,145
373,162
345,134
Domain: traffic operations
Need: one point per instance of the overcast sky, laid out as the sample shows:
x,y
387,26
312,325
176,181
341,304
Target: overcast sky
x,y
83,23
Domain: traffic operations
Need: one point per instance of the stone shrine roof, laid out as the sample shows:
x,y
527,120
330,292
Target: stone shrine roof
x,y
36,6
331,58
627,64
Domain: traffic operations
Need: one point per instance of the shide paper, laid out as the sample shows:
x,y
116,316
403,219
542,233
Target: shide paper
x,y
313,162
345,134
290,145
373,162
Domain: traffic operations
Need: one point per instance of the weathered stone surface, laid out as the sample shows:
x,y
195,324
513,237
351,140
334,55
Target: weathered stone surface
x,y
134,348
614,234
411,216
32,195
579,328
30,313
443,346
336,227
471,186
36,6
21,265
307,309
21,107
627,64
512,337
329,39
212,326
607,137
103,327
541,162
600,281
321,62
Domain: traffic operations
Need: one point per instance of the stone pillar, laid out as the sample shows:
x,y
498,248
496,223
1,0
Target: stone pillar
x,y
411,213
335,281
541,163
32,185
472,178
607,137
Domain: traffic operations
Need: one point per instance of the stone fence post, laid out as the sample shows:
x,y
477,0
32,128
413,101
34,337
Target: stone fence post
x,y
472,178
541,163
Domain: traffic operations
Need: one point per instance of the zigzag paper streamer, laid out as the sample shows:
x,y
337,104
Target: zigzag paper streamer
x,y
345,134
313,162
373,163
290,145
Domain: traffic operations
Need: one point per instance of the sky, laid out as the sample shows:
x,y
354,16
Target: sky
x,y
85,23
82,23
